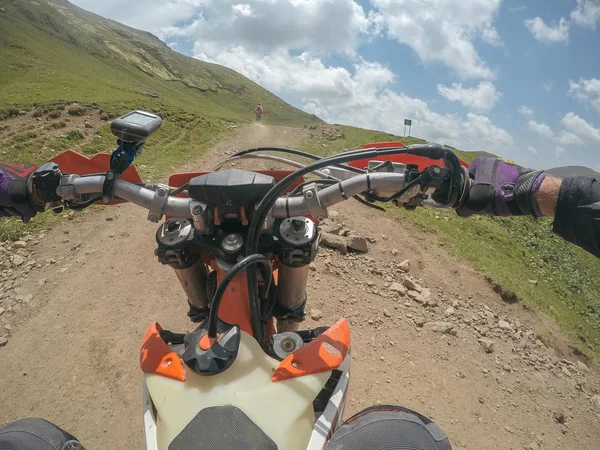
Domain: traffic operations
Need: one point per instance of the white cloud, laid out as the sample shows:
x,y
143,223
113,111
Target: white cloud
x,y
540,128
150,15
559,151
556,32
580,128
480,98
242,9
525,111
532,150
568,138
323,27
443,31
547,86
586,14
586,91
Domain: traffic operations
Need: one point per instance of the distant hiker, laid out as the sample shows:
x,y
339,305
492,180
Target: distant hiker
x,y
259,111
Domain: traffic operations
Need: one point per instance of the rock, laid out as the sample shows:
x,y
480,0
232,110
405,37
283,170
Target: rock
x,y
2,310
358,244
532,446
441,327
110,219
333,214
534,282
386,313
384,237
419,321
371,240
416,296
335,242
404,265
76,246
397,287
20,244
426,293
345,232
316,314
449,311
486,344
559,417
18,260
394,251
313,266
410,284
582,367
333,228
431,301
3,341
64,269
504,325
596,400
88,124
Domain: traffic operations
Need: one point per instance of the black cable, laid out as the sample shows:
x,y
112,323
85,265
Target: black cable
x,y
432,151
361,200
181,188
82,206
292,151
265,205
235,270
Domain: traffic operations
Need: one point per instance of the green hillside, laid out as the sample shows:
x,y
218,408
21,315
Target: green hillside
x,y
573,171
53,51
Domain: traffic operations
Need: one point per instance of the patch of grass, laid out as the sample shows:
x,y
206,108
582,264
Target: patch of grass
x,y
508,251
76,111
59,124
54,114
75,135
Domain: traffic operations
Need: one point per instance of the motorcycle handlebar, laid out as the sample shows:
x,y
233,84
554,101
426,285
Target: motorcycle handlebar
x,y
312,202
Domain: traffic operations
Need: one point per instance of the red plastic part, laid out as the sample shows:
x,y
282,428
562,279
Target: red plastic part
x,y
71,162
420,161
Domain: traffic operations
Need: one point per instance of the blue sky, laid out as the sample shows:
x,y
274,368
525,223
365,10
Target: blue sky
x,y
517,78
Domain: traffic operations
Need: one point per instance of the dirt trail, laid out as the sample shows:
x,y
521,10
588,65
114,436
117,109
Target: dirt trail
x,y
72,353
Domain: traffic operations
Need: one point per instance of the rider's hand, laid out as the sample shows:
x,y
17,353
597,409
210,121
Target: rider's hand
x,y
501,188
14,199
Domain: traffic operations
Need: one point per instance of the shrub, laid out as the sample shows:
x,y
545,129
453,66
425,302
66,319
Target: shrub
x,y
54,114
75,135
77,111
59,124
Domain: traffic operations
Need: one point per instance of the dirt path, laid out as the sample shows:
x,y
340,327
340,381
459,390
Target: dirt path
x,y
75,324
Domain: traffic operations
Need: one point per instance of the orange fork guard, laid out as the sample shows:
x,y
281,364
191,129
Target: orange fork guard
x,y
71,162
420,161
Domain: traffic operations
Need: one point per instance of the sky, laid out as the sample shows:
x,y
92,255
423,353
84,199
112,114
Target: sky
x,y
518,78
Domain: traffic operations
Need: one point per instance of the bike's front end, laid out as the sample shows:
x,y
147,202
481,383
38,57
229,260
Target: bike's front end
x,y
240,242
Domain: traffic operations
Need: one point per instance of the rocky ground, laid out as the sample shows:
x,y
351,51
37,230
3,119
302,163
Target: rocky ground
x,y
428,331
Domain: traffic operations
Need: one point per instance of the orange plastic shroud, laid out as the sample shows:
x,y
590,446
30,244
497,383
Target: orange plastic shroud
x,y
420,161
326,352
158,358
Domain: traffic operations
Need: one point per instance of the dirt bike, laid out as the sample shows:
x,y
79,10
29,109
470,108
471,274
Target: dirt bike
x,y
240,243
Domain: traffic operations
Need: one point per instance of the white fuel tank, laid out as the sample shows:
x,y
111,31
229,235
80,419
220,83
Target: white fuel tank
x,y
283,410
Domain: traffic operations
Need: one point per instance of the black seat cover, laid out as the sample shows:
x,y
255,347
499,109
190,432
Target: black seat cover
x,y
222,428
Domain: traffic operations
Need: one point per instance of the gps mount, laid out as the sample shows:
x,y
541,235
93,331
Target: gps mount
x,y
132,130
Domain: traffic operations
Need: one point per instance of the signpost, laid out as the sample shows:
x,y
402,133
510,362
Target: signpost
x,y
407,123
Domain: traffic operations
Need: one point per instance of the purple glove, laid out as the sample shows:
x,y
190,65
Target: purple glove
x,y
14,200
500,188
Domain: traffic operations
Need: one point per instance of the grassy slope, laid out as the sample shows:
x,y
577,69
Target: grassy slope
x,y
509,251
573,171
54,53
